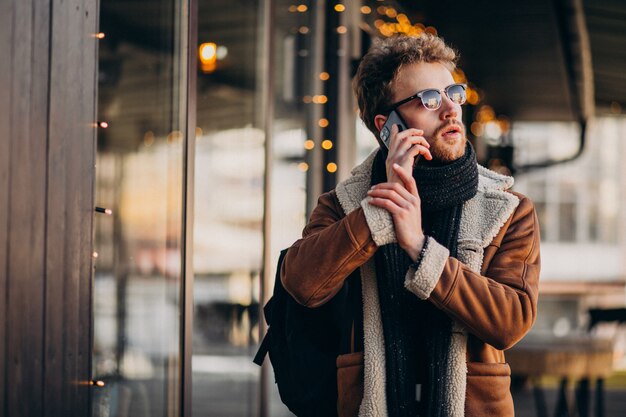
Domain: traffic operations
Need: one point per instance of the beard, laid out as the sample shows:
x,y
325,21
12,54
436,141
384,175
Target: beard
x,y
445,149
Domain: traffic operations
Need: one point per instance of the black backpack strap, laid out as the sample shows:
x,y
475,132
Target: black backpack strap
x,y
263,349
267,310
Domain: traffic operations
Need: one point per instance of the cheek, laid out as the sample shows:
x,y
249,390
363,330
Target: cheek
x,y
428,122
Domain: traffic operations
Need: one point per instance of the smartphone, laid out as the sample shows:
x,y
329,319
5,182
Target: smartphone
x,y
385,133
393,119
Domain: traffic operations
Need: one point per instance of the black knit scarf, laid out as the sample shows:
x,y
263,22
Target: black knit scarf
x,y
417,334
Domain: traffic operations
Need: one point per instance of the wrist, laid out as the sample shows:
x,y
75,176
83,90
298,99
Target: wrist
x,y
415,251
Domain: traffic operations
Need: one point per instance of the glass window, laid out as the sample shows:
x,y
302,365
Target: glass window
x,y
230,190
228,224
137,302
579,201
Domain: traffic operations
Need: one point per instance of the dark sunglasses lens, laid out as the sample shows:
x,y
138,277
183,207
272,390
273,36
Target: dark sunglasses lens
x,y
431,99
456,93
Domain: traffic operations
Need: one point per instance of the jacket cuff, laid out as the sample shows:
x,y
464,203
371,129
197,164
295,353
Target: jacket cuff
x,y
379,222
422,277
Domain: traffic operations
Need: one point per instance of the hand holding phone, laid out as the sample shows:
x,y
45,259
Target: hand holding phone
x,y
385,133
393,119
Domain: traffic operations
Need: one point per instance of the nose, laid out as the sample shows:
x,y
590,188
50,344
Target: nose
x,y
449,109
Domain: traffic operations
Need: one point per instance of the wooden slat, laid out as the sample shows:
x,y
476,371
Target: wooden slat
x,y
26,232
6,40
86,170
70,207
56,242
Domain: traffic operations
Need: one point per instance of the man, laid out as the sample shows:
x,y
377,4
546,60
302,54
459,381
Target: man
x,y
448,258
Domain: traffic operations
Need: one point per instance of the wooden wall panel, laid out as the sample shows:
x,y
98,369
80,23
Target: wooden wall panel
x,y
86,170
26,231
6,40
47,154
70,208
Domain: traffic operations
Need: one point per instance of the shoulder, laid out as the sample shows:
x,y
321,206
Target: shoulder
x,y
328,205
525,206
489,180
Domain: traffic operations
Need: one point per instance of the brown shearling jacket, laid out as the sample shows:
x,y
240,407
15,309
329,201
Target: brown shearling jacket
x,y
490,291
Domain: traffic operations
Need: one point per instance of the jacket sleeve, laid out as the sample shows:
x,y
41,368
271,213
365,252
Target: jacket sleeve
x,y
331,247
498,306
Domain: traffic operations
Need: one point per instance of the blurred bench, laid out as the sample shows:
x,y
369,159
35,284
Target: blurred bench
x,y
581,359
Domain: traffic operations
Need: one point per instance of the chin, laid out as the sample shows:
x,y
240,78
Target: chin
x,y
448,152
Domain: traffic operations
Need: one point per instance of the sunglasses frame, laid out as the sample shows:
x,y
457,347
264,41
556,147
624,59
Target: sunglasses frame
x,y
420,93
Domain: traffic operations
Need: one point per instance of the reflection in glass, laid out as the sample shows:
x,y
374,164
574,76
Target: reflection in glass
x,y
228,239
136,352
229,193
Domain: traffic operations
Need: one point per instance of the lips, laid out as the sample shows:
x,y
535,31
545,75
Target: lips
x,y
452,131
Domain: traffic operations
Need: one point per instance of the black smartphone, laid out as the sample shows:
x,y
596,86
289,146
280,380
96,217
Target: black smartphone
x,y
393,119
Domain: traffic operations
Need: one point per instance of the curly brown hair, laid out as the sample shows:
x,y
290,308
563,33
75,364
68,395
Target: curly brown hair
x,y
382,63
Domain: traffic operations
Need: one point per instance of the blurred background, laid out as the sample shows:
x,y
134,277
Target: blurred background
x,y
546,91
220,123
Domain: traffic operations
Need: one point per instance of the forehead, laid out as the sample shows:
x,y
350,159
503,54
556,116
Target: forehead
x,y
420,76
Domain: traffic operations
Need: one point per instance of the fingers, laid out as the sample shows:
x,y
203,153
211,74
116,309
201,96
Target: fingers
x,y
419,150
386,204
402,141
407,179
396,193
407,145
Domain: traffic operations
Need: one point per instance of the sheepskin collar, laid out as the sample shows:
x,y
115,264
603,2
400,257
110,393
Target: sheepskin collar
x,y
482,218
354,188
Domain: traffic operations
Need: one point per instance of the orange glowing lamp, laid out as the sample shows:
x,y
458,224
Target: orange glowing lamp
x,y
207,54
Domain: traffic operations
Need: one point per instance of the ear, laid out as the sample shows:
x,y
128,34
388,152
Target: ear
x,y
379,121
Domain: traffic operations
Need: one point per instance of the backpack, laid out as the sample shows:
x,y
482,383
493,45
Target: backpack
x,y
303,344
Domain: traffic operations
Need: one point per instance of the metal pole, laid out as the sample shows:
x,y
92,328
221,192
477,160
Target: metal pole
x,y
189,154
267,97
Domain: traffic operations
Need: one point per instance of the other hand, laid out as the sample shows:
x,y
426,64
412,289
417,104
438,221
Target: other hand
x,y
404,204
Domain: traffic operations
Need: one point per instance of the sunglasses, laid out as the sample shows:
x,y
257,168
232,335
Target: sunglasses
x,y
431,98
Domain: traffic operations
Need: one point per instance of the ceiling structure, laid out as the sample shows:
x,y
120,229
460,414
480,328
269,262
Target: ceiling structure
x,y
537,60
531,60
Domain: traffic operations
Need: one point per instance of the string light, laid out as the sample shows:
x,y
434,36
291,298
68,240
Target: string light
x,y
323,123
303,166
320,99
304,30
366,10
302,8
342,29
148,138
616,108
174,136
324,76
99,35
331,167
391,12
95,255
477,129
103,210
103,125
327,144
340,7
309,144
